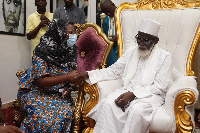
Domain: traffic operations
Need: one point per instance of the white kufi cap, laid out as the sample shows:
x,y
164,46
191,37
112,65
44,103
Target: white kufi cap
x,y
150,27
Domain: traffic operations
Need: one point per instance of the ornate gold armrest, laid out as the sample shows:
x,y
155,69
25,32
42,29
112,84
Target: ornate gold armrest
x,y
183,119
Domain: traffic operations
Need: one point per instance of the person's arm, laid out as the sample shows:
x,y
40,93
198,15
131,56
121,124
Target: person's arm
x,y
105,25
10,129
56,14
52,81
82,17
44,22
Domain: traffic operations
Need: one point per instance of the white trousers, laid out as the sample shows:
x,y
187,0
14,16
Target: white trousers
x,y
111,119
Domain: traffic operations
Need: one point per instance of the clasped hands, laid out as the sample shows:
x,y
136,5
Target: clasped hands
x,y
121,101
77,77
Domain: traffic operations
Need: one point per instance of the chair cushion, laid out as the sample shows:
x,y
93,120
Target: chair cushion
x,y
106,87
91,49
162,122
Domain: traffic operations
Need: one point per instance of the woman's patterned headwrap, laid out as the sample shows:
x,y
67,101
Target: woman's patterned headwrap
x,y
53,46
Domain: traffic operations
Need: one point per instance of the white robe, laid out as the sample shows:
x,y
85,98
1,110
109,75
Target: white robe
x,y
137,117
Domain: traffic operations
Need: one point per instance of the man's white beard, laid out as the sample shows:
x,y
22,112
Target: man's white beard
x,y
143,53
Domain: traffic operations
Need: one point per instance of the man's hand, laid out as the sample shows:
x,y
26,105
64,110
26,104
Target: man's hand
x,y
82,76
124,98
44,21
114,38
66,92
10,129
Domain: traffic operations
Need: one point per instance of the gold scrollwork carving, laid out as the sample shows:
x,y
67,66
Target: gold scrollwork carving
x,y
77,111
94,98
183,119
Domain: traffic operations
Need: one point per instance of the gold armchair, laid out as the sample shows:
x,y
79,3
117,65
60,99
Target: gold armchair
x,y
93,49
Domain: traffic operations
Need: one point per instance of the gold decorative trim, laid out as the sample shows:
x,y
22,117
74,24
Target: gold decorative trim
x,y
190,59
94,98
183,119
19,72
77,111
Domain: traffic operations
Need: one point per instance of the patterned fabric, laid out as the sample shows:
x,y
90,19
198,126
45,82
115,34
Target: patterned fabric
x,y
53,46
46,109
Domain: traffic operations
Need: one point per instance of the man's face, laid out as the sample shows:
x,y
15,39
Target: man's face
x,y
11,12
68,3
108,9
145,41
41,4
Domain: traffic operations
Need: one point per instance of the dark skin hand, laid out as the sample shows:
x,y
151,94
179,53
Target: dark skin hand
x,y
10,129
114,38
125,97
67,92
81,76
44,22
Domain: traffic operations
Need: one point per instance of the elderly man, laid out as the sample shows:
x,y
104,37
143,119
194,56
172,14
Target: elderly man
x,y
146,70
70,12
11,14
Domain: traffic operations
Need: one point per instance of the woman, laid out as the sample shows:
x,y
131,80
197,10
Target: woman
x,y
54,60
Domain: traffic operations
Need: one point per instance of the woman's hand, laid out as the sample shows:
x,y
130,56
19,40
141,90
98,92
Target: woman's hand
x,y
82,76
66,92
71,77
10,129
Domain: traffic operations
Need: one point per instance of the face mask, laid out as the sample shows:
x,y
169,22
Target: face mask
x,y
72,40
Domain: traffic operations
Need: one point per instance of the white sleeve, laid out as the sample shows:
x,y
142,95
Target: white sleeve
x,y
109,73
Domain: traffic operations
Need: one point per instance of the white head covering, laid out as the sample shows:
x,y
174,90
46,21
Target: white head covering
x,y
150,27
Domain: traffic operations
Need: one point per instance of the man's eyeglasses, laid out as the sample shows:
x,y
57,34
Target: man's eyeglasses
x,y
145,41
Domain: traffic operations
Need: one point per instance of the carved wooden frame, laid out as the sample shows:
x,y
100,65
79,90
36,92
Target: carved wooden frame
x,y
81,110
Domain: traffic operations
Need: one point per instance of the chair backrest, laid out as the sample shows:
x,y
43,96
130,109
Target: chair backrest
x,y
179,32
93,49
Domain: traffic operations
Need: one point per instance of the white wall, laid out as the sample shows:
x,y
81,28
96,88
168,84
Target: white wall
x,y
14,55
